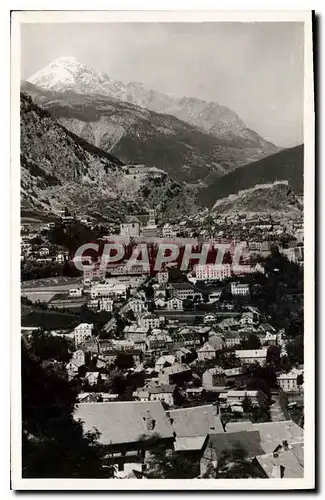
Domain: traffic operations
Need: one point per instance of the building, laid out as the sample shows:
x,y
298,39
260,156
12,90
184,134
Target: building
x,y
175,374
174,304
151,229
82,332
92,377
169,231
162,277
124,441
76,365
158,341
90,273
209,318
75,292
160,363
138,306
193,425
273,434
247,318
208,272
130,228
208,350
279,464
44,252
135,332
236,398
149,320
163,393
291,381
185,291
213,377
251,356
112,289
239,289
182,355
218,443
106,304
232,339
60,258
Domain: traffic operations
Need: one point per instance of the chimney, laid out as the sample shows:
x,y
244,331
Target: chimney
x,y
285,445
149,421
282,469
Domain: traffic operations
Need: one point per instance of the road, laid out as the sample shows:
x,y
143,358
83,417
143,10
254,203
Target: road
x,y
276,410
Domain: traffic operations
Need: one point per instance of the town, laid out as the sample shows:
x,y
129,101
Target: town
x,y
195,373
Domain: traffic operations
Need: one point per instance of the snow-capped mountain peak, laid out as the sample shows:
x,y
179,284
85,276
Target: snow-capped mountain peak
x,y
67,73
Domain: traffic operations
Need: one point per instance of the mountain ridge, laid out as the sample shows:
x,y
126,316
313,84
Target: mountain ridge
x,y
67,73
287,164
58,170
138,135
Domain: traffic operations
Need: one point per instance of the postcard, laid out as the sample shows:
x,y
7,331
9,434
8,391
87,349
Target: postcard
x,y
163,180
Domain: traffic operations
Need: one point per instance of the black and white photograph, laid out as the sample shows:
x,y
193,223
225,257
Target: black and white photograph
x,y
163,211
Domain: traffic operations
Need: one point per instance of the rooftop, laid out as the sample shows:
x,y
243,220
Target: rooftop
x,y
283,465
249,440
251,353
131,416
196,421
176,368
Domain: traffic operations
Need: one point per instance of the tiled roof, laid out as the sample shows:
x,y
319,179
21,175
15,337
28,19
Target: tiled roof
x,y
273,433
196,421
249,440
123,422
285,461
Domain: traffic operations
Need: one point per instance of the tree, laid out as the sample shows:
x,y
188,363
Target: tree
x,y
273,355
295,350
46,346
165,463
124,361
232,464
251,342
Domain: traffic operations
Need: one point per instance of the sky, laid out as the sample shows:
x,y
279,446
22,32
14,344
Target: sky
x,y
256,69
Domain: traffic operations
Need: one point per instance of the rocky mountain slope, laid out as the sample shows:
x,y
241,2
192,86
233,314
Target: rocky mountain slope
x,y
285,165
138,135
59,169
271,198
66,75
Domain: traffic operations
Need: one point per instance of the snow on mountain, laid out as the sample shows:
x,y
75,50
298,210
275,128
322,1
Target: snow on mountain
x,y
68,74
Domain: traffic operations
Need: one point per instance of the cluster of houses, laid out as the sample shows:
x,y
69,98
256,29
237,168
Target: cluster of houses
x,y
275,449
175,347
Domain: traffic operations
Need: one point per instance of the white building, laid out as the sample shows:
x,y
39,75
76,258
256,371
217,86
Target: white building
x,y
75,292
138,306
60,258
90,273
249,356
106,304
289,381
206,272
169,231
234,398
209,349
174,304
241,289
160,363
149,320
109,290
162,277
82,332
247,318
131,228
